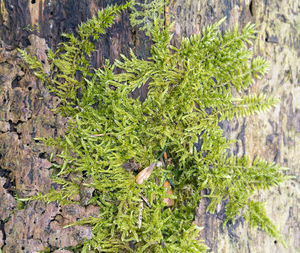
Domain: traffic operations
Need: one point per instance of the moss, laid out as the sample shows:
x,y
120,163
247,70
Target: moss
x,y
140,158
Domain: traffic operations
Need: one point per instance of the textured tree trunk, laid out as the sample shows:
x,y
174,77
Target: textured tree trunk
x,y
25,113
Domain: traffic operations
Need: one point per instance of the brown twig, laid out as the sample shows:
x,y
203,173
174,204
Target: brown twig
x,y
141,214
146,200
99,135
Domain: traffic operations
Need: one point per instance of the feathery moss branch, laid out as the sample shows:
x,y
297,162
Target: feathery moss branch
x,y
189,93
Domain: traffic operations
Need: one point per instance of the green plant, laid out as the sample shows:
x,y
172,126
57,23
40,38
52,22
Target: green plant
x,y
32,28
189,94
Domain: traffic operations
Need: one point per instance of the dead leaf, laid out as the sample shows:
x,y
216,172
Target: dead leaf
x,y
167,201
145,174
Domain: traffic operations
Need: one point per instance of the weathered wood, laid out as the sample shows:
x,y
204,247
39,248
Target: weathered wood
x,y
274,136
25,113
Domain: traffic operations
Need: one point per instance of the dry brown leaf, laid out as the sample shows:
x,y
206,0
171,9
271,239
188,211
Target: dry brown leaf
x,y
165,156
167,201
144,174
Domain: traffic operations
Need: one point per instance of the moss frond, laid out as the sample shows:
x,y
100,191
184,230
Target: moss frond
x,y
111,137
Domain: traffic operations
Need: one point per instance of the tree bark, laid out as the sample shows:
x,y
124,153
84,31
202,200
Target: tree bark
x,y
26,113
273,136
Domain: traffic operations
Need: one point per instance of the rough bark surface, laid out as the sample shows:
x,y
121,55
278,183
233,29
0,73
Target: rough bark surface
x,y
26,112
273,136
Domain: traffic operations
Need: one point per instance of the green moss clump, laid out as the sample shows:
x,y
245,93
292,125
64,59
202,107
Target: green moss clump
x,y
189,94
